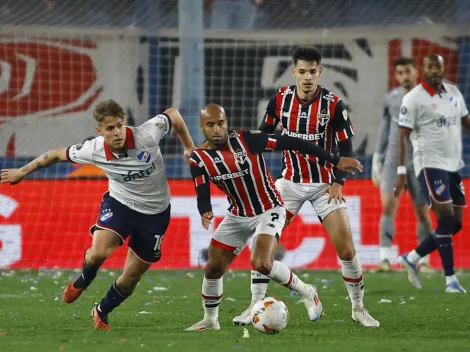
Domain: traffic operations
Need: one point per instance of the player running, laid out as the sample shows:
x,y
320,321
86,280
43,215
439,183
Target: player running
x,y
432,115
310,112
137,204
234,162
406,75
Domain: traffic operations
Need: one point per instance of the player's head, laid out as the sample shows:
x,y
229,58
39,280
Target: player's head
x,y
111,125
306,68
214,124
433,69
405,72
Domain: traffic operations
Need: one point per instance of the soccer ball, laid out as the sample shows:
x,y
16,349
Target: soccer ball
x,y
270,315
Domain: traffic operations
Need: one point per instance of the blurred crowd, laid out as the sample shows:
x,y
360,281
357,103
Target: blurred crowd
x,y
152,15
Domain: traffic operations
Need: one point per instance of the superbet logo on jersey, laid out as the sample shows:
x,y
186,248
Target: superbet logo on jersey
x,y
41,77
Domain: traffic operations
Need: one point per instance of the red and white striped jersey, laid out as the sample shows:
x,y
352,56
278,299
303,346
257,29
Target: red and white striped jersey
x,y
238,169
323,120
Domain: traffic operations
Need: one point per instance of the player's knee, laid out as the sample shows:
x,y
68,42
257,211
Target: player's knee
x,y
446,225
347,253
261,265
95,257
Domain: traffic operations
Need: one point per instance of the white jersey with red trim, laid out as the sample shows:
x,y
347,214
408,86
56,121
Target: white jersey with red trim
x,y
435,120
136,179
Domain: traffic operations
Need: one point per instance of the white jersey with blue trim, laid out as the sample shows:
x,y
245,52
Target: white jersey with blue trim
x,y
136,179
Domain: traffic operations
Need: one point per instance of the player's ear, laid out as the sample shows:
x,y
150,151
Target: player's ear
x,y
320,71
293,71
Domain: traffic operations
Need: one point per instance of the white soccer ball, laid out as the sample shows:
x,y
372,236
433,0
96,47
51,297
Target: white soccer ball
x,y
270,315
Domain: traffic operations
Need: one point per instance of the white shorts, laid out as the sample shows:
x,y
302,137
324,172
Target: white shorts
x,y
296,194
233,232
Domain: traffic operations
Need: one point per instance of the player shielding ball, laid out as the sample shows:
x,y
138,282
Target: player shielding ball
x,y
432,115
234,162
384,175
137,204
312,113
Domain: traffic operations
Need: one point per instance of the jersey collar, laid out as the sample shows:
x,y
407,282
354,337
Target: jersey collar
x,y
130,143
432,92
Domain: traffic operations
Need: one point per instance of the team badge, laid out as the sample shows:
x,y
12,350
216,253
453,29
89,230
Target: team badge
x,y
106,215
144,156
240,156
323,117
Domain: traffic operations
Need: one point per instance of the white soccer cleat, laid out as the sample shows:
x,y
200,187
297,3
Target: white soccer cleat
x,y
313,304
362,316
246,318
454,287
411,271
204,325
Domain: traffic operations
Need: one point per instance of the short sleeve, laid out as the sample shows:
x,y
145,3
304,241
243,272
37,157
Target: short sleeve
x,y
82,153
342,126
158,127
463,106
408,113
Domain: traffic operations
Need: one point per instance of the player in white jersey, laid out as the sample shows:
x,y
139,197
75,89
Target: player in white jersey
x,y
384,175
432,115
137,204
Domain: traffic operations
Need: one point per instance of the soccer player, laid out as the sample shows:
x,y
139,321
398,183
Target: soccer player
x,y
406,75
310,112
432,115
137,204
234,162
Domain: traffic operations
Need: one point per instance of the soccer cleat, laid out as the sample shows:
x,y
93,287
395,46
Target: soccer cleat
x,y
100,319
71,293
454,287
425,268
204,325
361,315
246,318
411,271
313,304
384,266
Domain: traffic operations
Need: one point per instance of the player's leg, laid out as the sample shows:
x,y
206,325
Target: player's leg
x,y
421,207
293,195
389,209
120,290
336,223
267,234
110,231
144,249
229,239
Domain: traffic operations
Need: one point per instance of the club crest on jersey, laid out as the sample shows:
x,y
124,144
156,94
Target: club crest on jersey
x,y
453,101
323,117
106,215
240,156
144,156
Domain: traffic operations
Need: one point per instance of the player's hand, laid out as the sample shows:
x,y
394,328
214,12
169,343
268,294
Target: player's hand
x,y
335,191
376,168
12,176
206,219
400,185
349,165
187,153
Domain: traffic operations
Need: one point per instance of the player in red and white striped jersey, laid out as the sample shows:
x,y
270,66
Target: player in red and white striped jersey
x,y
310,112
234,162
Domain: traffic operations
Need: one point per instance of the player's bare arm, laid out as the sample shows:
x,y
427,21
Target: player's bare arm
x,y
181,131
402,149
14,176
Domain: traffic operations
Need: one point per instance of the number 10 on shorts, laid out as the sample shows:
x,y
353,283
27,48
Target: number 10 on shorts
x,y
158,242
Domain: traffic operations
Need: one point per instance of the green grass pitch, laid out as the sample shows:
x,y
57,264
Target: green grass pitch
x,y
34,318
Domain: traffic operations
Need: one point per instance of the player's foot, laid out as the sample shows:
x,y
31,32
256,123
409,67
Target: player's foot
x,y
246,318
313,304
425,268
100,319
361,315
411,271
384,266
454,287
204,325
71,293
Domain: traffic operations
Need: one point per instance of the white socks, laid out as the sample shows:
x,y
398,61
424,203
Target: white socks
x,y
352,277
283,275
212,290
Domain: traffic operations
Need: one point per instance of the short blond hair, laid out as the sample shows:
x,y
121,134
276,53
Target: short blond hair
x,y
108,108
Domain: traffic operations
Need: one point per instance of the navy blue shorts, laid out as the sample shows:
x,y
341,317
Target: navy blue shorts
x,y
145,231
442,186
